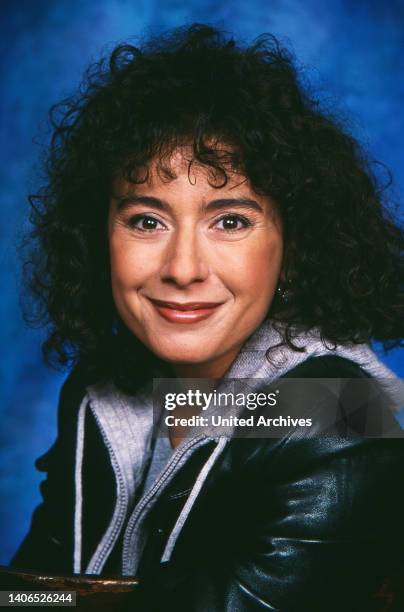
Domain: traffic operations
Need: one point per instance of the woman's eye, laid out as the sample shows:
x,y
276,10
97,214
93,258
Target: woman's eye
x,y
230,223
145,223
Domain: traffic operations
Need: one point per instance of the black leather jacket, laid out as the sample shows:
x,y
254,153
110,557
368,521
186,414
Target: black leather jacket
x,y
291,524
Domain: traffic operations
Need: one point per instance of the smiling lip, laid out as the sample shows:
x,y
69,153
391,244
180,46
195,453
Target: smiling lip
x,y
189,312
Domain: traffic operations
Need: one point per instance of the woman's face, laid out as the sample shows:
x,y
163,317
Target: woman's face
x,y
194,267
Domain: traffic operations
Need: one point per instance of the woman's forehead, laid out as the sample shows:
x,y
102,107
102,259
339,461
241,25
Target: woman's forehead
x,y
178,179
180,164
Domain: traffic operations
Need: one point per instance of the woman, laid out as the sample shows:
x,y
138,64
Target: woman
x,y
203,218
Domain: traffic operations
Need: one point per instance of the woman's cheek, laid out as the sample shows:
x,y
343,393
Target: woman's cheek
x,y
258,267
131,263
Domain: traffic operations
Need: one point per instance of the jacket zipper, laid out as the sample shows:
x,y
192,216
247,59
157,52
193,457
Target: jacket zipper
x,y
139,512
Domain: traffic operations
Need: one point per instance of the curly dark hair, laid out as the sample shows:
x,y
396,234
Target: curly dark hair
x,y
343,258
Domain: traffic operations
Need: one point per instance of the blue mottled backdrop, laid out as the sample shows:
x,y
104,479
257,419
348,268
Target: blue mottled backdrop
x,y
353,52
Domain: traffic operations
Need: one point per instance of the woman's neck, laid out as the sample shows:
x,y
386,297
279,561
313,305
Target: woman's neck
x,y
210,369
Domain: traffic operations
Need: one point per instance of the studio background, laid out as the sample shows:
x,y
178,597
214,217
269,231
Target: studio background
x,y
353,55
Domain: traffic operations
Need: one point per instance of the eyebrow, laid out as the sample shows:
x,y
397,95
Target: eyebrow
x,y
124,202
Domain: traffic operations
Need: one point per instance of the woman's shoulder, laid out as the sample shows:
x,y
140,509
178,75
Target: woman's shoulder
x,y
324,421
73,392
327,366
80,378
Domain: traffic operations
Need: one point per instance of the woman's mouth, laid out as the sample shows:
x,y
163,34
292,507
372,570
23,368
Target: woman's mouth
x,y
187,312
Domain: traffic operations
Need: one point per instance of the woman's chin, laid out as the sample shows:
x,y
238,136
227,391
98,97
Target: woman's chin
x,y
190,355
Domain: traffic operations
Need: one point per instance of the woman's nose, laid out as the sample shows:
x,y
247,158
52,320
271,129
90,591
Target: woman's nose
x,y
185,262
